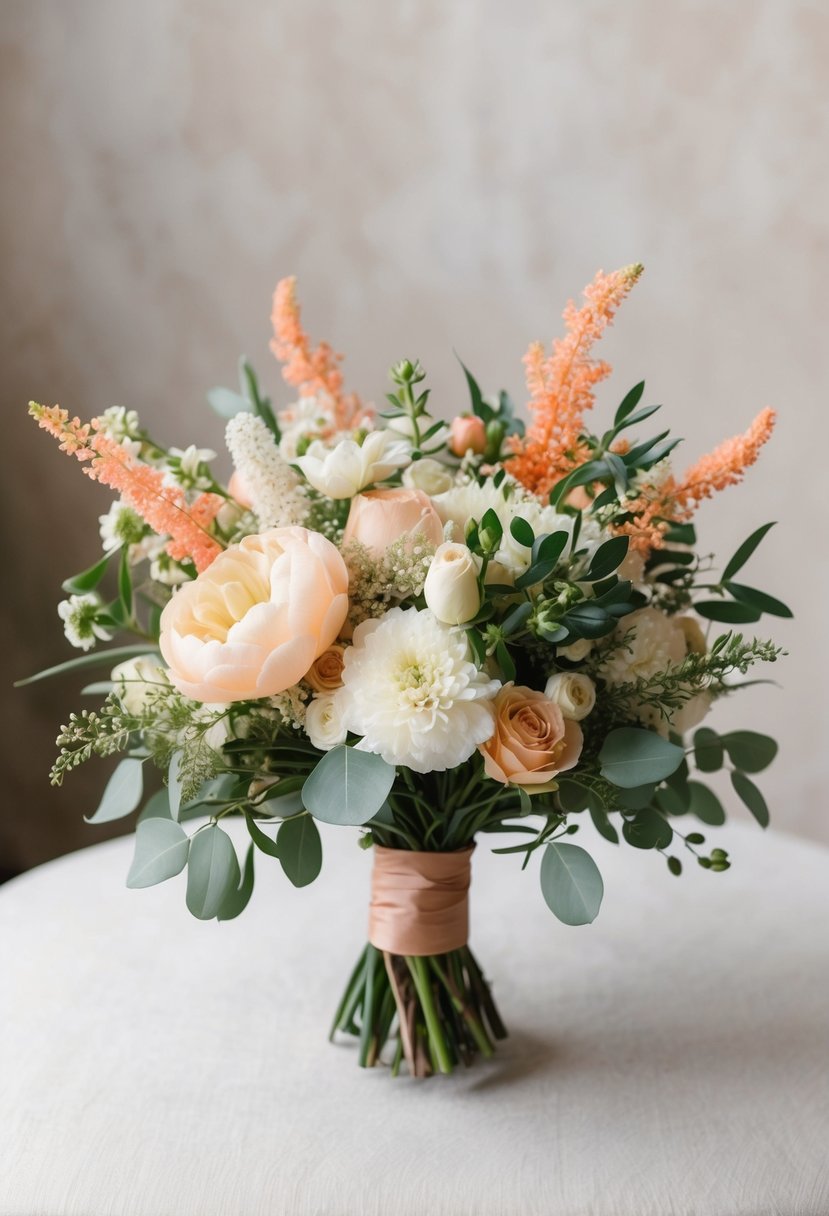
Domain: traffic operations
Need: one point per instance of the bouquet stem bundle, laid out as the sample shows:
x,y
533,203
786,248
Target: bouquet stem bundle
x,y
438,1008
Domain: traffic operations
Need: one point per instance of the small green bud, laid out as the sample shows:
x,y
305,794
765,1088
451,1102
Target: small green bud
x,y
675,866
366,841
705,862
402,371
719,855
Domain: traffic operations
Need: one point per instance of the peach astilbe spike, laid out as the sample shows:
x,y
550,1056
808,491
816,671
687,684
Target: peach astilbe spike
x,y
658,504
561,385
724,466
164,507
310,369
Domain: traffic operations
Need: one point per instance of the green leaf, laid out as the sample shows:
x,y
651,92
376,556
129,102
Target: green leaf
x,y
125,582
259,838
708,750
491,527
752,798
174,783
589,620
89,579
96,658
749,751
161,848
157,807
572,796
479,406
571,883
675,866
607,558
300,849
536,573
228,404
212,871
730,611
631,756
629,403
634,419
601,822
549,548
759,599
236,901
505,661
745,551
672,801
637,797
522,532
519,615
122,794
647,830
705,804
348,786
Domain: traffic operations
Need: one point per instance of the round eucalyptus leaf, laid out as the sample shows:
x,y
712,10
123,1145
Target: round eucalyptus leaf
x,y
348,786
631,756
161,848
212,871
571,883
752,798
122,794
705,804
300,849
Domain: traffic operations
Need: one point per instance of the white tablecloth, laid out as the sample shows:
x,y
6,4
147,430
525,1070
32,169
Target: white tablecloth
x,y
672,1059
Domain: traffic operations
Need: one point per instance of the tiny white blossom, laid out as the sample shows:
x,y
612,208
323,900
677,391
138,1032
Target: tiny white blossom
x,y
187,467
78,614
119,424
120,526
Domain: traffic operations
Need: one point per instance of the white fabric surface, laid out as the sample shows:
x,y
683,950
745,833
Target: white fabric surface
x,y
670,1060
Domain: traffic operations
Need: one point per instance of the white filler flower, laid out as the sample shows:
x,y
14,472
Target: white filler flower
x,y
412,691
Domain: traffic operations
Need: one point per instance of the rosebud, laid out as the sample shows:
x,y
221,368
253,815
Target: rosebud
x,y
451,587
467,433
573,693
323,722
427,475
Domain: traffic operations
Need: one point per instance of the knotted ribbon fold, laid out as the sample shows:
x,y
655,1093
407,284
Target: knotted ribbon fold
x,y
419,901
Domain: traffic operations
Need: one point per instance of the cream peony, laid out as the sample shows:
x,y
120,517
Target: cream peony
x,y
344,470
651,642
573,693
411,690
451,587
252,624
381,517
323,723
533,741
427,475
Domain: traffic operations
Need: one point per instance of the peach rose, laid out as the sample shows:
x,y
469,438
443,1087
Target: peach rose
x,y
256,619
466,432
326,673
532,742
237,489
380,517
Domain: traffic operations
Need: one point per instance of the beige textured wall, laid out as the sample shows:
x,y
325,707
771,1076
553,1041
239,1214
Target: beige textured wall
x,y
438,175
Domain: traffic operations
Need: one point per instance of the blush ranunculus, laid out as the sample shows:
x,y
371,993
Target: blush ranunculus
x,y
380,517
533,741
467,433
255,620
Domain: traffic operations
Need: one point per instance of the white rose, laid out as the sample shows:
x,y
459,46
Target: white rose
x,y
347,468
576,651
573,693
427,475
135,681
324,723
451,587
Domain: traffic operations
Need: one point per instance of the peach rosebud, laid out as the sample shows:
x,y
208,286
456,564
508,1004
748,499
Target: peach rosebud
x,y
237,490
533,741
467,433
255,620
380,517
326,673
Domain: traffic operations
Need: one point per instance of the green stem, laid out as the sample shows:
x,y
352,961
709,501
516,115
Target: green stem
x,y
437,1042
476,1029
351,997
367,1025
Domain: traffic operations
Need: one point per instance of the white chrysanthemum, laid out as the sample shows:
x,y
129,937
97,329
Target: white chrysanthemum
x,y
348,467
472,501
78,614
412,691
276,493
653,642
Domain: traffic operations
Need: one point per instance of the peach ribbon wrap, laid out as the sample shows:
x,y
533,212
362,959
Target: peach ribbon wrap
x,y
419,901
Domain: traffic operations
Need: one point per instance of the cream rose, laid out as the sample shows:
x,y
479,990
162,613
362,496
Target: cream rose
x,y
324,724
252,624
344,470
427,475
380,517
533,741
451,587
573,693
136,680
576,651
326,673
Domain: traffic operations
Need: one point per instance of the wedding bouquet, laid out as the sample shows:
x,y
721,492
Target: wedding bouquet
x,y
434,631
